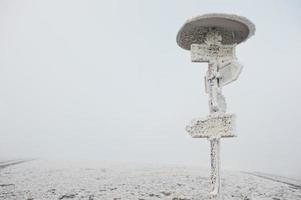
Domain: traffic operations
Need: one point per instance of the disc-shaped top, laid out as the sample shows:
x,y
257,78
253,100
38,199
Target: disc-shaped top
x,y
233,29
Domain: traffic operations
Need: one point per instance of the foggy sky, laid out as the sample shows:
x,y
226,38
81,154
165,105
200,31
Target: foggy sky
x,y
105,80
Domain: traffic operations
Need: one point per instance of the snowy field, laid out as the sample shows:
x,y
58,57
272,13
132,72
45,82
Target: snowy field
x,y
39,180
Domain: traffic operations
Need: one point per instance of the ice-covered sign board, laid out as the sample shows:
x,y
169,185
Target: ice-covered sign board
x,y
229,73
205,53
214,125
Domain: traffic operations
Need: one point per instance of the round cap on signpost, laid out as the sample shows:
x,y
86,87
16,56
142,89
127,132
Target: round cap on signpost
x,y
234,29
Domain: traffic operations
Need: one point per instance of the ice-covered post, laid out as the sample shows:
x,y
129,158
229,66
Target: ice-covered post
x,y
212,38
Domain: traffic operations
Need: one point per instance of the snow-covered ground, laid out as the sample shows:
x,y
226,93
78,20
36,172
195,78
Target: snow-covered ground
x,y
40,179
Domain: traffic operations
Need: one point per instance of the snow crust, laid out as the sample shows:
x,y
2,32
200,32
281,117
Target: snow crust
x,y
39,180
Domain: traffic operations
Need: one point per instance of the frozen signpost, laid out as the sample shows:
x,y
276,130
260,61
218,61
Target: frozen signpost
x,y
212,38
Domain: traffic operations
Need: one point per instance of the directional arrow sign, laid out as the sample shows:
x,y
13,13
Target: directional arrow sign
x,y
206,53
229,73
216,125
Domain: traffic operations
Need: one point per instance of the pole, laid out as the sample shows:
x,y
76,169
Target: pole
x,y
216,102
215,168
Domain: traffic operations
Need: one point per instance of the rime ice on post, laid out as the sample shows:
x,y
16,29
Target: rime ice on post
x,y
212,38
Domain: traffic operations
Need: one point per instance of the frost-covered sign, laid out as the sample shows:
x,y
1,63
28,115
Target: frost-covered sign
x,y
229,72
205,53
213,126
212,38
